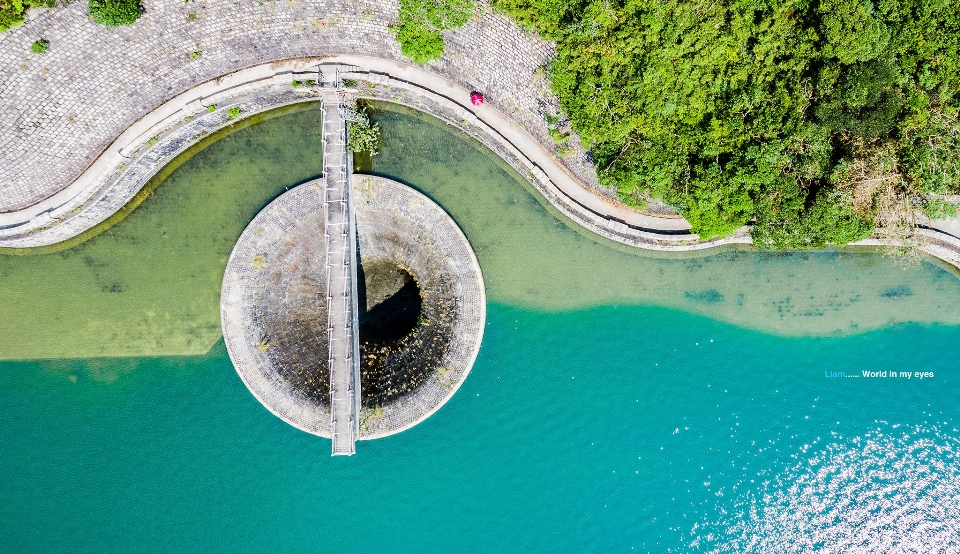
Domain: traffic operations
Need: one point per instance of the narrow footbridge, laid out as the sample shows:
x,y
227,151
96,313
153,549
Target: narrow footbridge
x,y
341,267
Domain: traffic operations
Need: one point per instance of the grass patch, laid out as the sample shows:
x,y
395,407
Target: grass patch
x,y
40,46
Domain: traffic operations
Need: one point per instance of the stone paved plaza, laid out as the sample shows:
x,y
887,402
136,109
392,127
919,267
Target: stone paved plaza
x,y
60,110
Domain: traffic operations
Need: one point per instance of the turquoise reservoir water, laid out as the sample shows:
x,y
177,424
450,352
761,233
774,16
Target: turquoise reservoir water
x,y
620,402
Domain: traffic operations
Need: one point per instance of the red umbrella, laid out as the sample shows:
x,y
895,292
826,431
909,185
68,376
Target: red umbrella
x,y
476,98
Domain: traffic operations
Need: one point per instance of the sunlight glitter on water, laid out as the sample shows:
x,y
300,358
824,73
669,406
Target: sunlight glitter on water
x,y
893,489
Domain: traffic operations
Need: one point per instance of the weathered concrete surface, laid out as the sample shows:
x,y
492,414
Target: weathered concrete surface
x,y
274,308
274,313
949,226
443,263
340,265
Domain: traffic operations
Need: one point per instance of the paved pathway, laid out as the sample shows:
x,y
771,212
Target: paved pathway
x,y
341,268
60,110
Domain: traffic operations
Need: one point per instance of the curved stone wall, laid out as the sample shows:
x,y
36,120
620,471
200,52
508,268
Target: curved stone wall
x,y
274,278
62,110
274,315
184,120
62,171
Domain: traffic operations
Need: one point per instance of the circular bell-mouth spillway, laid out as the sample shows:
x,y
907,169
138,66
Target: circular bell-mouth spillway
x,y
421,302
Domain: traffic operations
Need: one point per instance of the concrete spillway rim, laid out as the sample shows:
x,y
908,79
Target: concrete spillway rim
x,y
232,352
475,348
245,362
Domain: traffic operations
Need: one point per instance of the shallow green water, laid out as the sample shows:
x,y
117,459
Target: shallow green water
x,y
620,402
150,285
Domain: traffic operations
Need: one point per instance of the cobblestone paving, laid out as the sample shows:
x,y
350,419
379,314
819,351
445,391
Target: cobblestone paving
x,y
60,110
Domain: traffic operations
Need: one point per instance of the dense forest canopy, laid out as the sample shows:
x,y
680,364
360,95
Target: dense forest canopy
x,y
816,120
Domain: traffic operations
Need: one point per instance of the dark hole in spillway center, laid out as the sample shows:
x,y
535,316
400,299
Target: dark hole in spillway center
x,y
400,346
389,302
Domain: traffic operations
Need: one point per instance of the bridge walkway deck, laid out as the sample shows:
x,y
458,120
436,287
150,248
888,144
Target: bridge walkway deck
x,y
340,265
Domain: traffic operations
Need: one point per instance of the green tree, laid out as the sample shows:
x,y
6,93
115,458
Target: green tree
x,y
807,118
363,136
12,12
115,13
421,22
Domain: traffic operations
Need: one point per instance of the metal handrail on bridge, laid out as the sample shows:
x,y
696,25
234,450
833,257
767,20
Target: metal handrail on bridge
x,y
342,309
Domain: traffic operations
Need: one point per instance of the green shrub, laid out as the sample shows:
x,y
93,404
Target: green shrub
x,y
420,23
39,46
115,13
212,108
363,136
13,12
195,54
553,128
786,113
557,135
234,112
296,84
941,209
